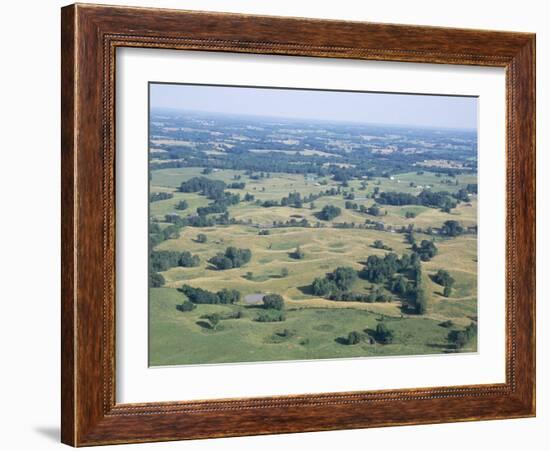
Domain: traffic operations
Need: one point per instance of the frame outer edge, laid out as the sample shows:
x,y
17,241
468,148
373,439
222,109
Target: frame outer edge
x,y
68,225
86,419
524,64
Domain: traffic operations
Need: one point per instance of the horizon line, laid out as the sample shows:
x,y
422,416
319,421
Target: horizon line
x,y
183,110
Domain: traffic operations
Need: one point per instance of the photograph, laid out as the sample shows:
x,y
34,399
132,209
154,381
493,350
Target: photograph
x,y
294,224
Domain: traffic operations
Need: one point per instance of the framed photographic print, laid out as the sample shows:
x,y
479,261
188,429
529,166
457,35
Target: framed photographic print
x,y
279,225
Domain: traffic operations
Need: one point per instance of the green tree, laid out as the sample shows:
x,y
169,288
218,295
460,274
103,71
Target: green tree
x,y
228,296
443,278
383,334
400,286
458,338
284,272
274,301
452,228
182,205
426,251
156,280
202,238
214,319
374,210
447,291
329,212
343,277
321,286
421,303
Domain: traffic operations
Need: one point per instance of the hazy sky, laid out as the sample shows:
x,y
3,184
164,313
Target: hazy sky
x,y
390,109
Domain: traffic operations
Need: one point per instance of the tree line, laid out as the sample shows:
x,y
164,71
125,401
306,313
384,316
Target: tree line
x,y
155,197
427,198
202,296
163,260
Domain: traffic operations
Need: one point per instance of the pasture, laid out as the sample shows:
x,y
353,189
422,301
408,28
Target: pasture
x,y
178,338
315,326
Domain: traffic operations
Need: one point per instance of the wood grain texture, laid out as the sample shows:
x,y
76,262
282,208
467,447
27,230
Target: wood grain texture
x,y
90,36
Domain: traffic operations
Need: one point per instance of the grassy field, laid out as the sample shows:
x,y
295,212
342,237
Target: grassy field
x,y
279,185
313,333
315,326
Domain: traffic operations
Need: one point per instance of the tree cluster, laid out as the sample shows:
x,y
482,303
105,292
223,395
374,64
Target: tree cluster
x,y
439,199
201,296
272,316
383,334
273,301
452,228
163,260
444,279
329,212
155,197
354,338
379,244
340,280
460,338
426,251
212,189
156,280
232,258
382,269
182,205
186,306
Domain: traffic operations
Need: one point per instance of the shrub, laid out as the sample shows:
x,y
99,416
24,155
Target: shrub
x,y
214,319
182,205
186,306
379,244
354,337
298,254
383,334
271,317
460,338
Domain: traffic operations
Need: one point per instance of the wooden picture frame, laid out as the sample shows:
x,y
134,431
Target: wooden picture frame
x,y
90,36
